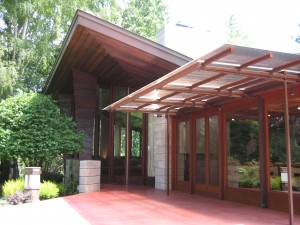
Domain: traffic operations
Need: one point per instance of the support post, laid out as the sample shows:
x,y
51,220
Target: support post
x,y
168,156
288,154
127,155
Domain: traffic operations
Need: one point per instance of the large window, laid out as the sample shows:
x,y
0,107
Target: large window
x,y
242,149
278,159
200,151
104,118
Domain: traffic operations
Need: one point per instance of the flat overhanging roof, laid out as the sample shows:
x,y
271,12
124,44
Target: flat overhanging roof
x,y
224,75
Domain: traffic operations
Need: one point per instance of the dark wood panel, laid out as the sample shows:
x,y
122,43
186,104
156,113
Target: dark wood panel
x,y
244,196
278,200
85,92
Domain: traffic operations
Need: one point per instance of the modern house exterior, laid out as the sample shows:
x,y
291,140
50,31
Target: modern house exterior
x,y
213,126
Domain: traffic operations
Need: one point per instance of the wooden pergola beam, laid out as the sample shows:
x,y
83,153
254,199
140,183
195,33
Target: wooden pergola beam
x,y
218,56
254,61
207,80
285,66
207,91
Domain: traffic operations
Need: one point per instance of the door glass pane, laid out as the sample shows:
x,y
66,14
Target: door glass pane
x,y
135,169
104,118
183,151
243,149
119,141
278,157
213,150
200,151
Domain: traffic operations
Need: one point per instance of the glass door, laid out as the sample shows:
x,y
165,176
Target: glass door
x,y
183,156
207,156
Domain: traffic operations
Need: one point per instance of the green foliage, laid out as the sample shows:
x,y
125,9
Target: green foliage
x,y
235,34
275,183
240,137
62,189
10,187
144,17
52,176
71,186
34,31
32,128
249,176
48,190
8,76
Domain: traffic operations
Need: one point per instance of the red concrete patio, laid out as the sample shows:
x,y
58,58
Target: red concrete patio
x,y
139,205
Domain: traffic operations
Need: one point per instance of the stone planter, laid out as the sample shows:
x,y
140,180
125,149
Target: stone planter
x,y
33,182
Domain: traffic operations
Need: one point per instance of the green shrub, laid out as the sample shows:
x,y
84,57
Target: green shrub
x,y
71,186
275,183
48,190
52,176
18,198
62,189
10,187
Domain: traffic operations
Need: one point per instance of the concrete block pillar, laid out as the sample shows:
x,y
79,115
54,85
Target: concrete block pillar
x,y
33,182
89,176
160,155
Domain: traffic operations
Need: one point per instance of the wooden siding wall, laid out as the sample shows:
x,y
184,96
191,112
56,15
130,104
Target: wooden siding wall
x,y
65,104
85,95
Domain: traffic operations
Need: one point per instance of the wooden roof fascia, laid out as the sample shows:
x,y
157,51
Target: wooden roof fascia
x,y
254,61
113,31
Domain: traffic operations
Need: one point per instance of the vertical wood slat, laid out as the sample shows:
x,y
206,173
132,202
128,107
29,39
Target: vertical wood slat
x,y
85,86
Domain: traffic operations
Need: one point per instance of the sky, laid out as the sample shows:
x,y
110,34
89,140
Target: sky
x,y
269,24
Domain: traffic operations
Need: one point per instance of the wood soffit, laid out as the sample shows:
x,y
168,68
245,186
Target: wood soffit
x,y
224,75
112,54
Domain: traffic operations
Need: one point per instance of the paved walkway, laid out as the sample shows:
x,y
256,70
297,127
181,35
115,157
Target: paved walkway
x,y
115,205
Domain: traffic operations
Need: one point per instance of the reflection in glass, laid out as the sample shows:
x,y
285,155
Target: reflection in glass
x,y
200,151
104,117
213,150
242,149
135,172
278,165
183,151
119,141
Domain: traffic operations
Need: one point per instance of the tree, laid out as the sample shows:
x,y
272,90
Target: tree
x,y
8,77
235,34
34,30
33,129
144,17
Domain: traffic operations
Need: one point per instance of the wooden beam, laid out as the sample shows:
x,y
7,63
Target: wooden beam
x,y
254,61
232,84
291,78
207,91
218,56
285,66
207,80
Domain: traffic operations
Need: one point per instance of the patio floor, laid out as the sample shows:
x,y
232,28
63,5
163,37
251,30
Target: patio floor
x,y
139,205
